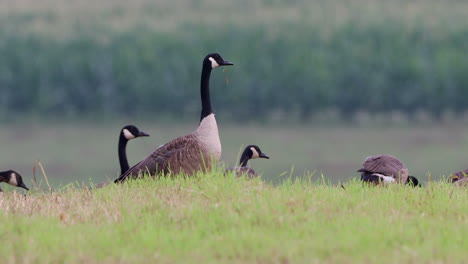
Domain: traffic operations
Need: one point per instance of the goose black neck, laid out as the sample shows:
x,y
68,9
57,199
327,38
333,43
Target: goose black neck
x,y
244,159
123,154
205,91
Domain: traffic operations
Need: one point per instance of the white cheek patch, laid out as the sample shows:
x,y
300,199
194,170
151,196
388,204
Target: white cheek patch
x,y
254,153
128,135
13,180
214,64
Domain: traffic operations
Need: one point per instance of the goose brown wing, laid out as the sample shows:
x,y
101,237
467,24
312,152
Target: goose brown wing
x,y
186,155
247,172
387,165
182,154
384,164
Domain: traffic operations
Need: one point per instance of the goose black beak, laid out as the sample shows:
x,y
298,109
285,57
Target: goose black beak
x,y
263,155
22,185
227,63
143,134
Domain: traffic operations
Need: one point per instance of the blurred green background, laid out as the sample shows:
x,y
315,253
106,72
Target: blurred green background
x,y
317,84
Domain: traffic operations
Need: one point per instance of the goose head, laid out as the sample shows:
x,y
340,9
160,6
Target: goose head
x,y
255,152
214,60
252,152
131,132
13,178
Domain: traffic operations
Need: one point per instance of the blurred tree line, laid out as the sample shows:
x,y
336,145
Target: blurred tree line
x,y
300,69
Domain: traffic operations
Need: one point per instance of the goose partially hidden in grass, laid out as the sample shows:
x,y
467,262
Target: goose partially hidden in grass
x,y
127,133
460,178
192,152
12,178
386,169
250,152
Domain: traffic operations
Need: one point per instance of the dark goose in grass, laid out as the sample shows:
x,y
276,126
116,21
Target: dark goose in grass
x,y
386,169
250,152
12,178
460,178
192,152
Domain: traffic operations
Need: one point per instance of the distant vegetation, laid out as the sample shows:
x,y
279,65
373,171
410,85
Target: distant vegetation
x,y
69,58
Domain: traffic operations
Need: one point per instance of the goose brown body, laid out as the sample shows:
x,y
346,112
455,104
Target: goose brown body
x,y
385,165
244,171
184,154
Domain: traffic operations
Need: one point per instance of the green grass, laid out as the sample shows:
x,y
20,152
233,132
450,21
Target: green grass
x,y
216,219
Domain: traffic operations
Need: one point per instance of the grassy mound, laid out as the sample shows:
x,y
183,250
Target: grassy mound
x,y
216,219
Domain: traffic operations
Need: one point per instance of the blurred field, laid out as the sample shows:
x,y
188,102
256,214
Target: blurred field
x,y
58,17
73,58
86,152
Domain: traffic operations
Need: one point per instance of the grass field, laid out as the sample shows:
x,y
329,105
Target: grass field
x,y
216,219
87,152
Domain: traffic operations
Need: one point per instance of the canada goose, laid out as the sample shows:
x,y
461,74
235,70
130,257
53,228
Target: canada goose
x,y
250,152
12,178
460,178
127,133
194,151
386,169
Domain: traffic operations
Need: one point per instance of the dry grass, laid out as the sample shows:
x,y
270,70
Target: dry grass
x,y
216,219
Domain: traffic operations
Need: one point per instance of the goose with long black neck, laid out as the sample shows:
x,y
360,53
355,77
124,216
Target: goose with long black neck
x,y
126,134
250,152
195,151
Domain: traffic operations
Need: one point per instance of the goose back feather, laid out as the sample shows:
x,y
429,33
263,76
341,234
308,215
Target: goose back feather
x,y
386,165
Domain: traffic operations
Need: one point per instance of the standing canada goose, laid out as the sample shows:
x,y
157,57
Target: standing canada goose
x,y
194,151
460,178
250,152
127,133
12,178
386,169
